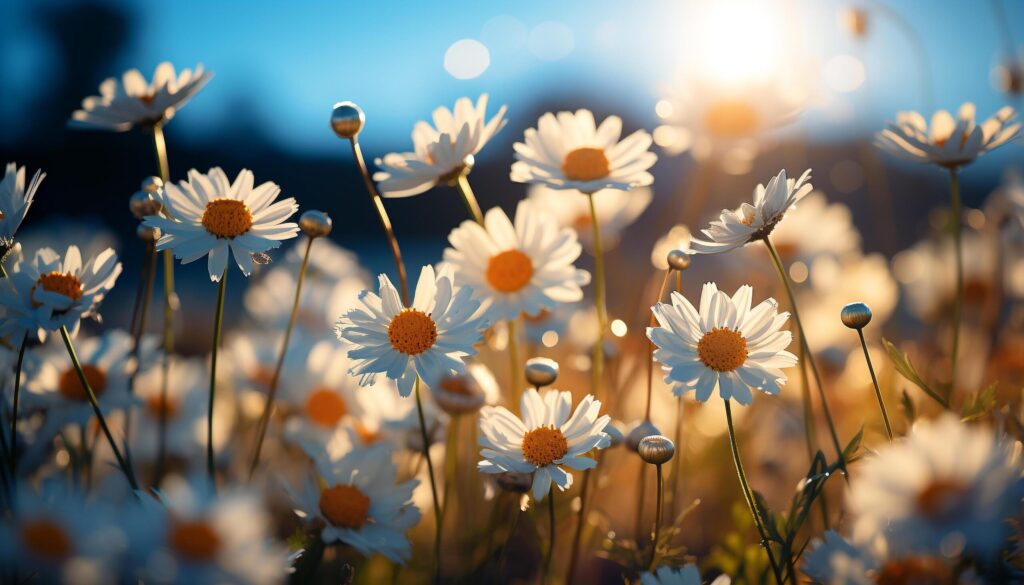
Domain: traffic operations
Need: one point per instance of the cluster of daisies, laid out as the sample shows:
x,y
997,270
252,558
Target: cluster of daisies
x,y
333,411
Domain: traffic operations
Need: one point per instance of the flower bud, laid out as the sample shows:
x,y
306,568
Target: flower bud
x,y
347,120
315,224
656,449
856,315
541,372
678,260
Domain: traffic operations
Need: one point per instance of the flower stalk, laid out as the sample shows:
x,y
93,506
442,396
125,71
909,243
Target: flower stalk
x,y
469,199
438,524
217,323
597,366
958,304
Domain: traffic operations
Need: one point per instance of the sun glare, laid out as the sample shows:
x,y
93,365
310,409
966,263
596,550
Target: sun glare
x,y
738,42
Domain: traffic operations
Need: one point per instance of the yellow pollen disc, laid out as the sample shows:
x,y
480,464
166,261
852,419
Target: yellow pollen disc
x,y
731,119
63,283
345,506
412,332
722,350
940,498
227,218
45,538
194,539
325,407
544,445
509,271
71,387
914,570
166,408
586,164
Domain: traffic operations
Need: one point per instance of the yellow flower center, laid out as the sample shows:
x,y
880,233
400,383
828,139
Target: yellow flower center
x,y
412,332
45,538
586,164
325,408
63,283
544,445
731,119
509,271
915,570
722,350
159,407
345,506
227,218
195,540
940,498
71,387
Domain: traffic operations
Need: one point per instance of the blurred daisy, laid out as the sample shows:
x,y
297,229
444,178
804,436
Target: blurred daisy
x,y
89,234
132,101
837,561
727,344
360,503
927,272
15,199
427,340
616,211
948,142
751,222
944,480
571,151
209,215
549,438
468,391
686,575
515,268
677,238
441,152
548,326
49,292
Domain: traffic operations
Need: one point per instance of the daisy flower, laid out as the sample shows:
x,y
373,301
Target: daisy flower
x,y
835,560
359,502
948,142
799,237
15,199
49,292
616,211
571,151
427,340
727,344
132,101
927,272
750,222
549,438
209,215
686,575
945,478
441,152
515,268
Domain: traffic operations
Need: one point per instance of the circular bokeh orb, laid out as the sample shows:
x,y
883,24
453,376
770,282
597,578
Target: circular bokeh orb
x,y
551,41
466,59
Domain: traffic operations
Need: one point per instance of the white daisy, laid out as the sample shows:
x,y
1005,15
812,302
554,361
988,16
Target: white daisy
x,y
835,560
515,268
90,235
945,478
15,199
686,575
750,222
948,143
442,151
798,239
727,344
133,101
359,501
428,339
48,292
927,272
209,215
571,152
544,440
616,211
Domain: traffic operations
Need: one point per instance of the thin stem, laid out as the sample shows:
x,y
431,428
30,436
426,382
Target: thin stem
x,y
96,408
276,378
511,533
469,199
748,495
650,346
551,535
385,222
17,399
638,523
217,323
515,388
676,461
160,150
958,305
450,457
657,521
139,314
433,484
599,302
581,523
874,380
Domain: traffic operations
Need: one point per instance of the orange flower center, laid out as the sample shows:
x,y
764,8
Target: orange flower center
x,y
586,164
915,571
195,540
731,119
345,506
544,445
722,350
412,332
227,218
158,407
63,283
509,271
71,387
45,538
325,407
366,435
940,499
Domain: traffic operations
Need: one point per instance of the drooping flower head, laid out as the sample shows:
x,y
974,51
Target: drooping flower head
x,y
15,199
726,344
208,215
516,268
948,142
571,151
442,151
548,439
132,101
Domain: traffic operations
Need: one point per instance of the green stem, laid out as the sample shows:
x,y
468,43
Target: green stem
x,y
551,535
469,199
958,305
874,380
581,523
217,323
275,380
433,484
139,314
17,399
599,302
657,521
96,409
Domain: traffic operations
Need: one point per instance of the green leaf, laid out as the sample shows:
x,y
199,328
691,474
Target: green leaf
x,y
851,448
909,410
980,403
902,364
771,524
